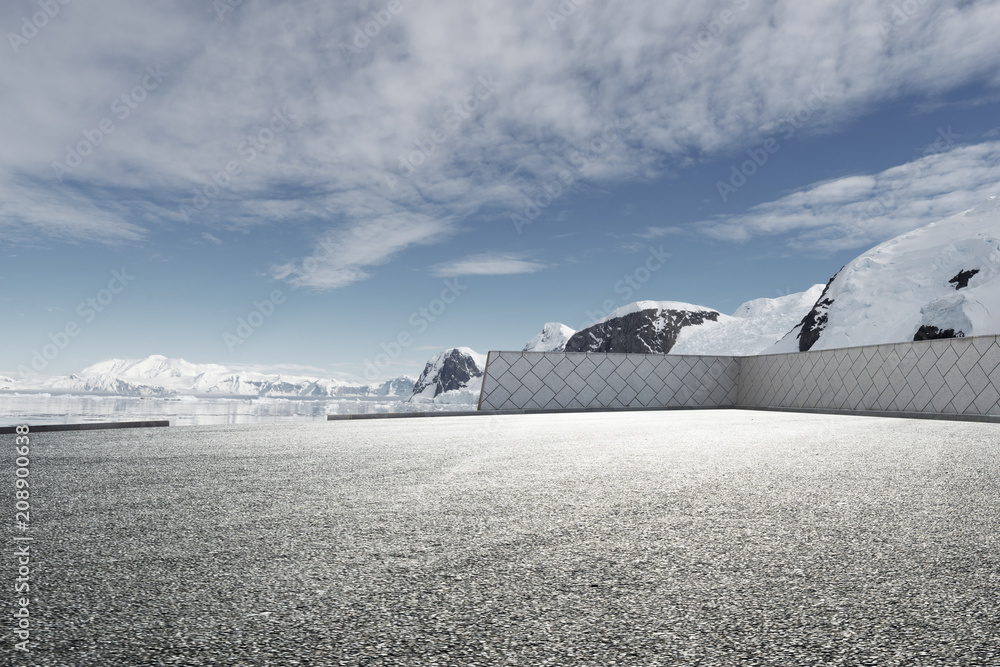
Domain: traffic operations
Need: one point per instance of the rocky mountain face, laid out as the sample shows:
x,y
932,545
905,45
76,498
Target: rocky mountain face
x,y
643,327
938,281
449,373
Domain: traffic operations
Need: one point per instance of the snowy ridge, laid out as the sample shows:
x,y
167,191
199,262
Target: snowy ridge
x,y
754,327
552,338
641,306
941,280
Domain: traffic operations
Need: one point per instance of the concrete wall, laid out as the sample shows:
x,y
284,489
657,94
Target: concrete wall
x,y
561,380
959,376
956,376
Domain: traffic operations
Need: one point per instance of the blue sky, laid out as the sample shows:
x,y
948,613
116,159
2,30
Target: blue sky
x,y
272,162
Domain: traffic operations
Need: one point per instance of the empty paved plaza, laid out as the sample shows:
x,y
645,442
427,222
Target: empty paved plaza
x,y
657,538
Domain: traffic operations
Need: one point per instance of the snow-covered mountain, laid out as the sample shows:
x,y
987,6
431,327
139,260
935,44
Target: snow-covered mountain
x,y
754,327
938,281
644,326
553,338
398,387
159,376
451,376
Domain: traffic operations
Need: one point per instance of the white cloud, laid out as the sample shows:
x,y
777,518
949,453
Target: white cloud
x,y
357,117
659,232
59,212
858,211
489,264
341,256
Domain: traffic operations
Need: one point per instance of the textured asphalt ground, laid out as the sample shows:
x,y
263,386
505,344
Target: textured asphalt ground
x,y
674,538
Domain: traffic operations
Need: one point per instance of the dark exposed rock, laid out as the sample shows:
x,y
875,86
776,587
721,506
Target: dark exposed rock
x,y
927,332
962,278
815,320
448,371
647,331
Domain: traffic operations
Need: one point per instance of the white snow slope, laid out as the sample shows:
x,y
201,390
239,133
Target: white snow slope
x,y
894,289
754,327
552,338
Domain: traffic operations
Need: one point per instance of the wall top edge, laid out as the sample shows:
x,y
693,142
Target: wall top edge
x,y
631,354
937,341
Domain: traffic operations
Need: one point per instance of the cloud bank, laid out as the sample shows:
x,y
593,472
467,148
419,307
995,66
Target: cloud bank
x,y
383,126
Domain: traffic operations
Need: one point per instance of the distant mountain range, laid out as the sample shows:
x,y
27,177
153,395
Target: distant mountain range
x,y
939,281
159,376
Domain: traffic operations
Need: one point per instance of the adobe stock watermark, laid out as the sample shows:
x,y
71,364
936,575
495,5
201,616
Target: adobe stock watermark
x,y
31,26
632,283
886,201
22,552
565,9
88,310
945,140
452,120
557,187
122,107
486,429
902,12
419,321
223,7
741,173
711,31
247,326
364,34
253,144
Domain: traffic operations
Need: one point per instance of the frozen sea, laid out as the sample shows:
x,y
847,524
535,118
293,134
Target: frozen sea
x,y
191,411
638,539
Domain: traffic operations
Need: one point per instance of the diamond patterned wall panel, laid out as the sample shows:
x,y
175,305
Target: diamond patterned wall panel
x,y
955,376
560,380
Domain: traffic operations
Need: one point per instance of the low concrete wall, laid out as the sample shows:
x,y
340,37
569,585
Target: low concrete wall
x,y
89,426
955,376
552,381
958,376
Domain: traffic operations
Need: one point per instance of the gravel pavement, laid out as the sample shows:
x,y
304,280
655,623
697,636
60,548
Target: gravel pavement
x,y
665,538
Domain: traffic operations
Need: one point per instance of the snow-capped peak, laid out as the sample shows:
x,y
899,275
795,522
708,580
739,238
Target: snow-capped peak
x,y
155,367
641,306
552,338
451,375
